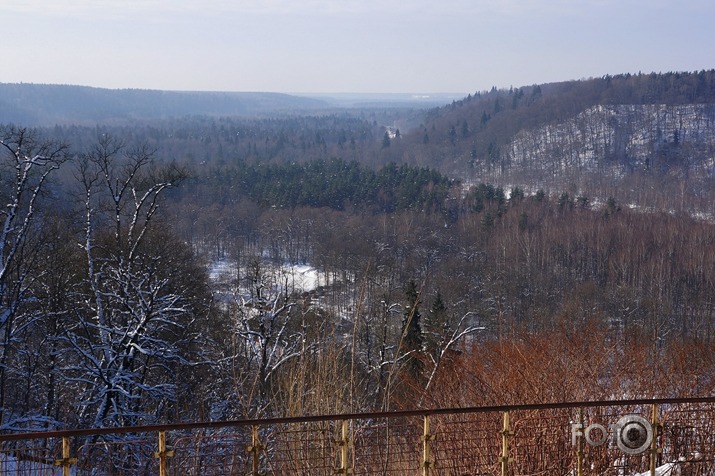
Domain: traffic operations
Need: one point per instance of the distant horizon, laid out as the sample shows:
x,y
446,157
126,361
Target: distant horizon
x,y
315,94
290,93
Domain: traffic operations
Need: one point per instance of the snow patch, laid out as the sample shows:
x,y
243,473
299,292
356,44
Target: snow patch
x,y
670,469
290,277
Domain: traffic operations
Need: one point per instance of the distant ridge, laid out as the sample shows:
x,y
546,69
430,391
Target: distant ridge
x,y
45,104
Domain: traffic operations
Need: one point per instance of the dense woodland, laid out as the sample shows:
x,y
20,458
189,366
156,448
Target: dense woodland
x,y
437,289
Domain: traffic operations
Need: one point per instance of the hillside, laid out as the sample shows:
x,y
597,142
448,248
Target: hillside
x,y
478,125
51,104
617,135
478,130
37,104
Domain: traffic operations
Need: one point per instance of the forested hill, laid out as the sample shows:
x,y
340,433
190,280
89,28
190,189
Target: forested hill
x,y
633,137
40,104
481,132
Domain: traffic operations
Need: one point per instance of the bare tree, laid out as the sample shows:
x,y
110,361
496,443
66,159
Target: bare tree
x,y
265,335
26,164
127,333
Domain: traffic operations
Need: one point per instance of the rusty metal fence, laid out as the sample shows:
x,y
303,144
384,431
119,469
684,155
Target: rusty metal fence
x,y
663,437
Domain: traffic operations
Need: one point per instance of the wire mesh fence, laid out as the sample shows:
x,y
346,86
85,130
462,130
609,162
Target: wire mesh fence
x,y
664,437
204,454
31,457
390,446
119,457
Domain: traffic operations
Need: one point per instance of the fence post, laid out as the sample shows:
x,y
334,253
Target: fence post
x,y
505,434
255,449
66,462
426,456
579,446
344,444
654,443
162,454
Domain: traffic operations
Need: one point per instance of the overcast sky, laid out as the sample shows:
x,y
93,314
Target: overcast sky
x,y
413,46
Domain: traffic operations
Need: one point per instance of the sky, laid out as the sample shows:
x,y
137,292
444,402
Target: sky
x,y
339,46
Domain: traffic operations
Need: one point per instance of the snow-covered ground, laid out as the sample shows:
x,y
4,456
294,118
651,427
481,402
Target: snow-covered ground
x,y
670,469
298,278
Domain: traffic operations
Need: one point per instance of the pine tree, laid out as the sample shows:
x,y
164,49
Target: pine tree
x,y
386,140
435,324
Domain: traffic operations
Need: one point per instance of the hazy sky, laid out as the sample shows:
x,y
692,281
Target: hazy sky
x,y
348,45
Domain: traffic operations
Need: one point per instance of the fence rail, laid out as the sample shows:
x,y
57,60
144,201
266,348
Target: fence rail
x,y
663,437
